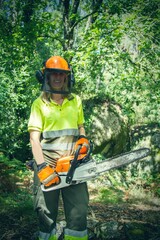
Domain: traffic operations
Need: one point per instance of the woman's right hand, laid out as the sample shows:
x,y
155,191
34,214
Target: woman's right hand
x,y
47,175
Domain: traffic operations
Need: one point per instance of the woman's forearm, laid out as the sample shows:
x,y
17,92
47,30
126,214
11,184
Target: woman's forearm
x,y
37,152
36,147
81,130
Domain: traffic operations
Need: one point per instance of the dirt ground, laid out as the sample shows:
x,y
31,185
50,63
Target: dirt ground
x,y
124,221
125,213
118,221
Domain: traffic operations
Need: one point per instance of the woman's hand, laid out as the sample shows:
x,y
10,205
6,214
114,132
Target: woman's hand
x,y
47,175
84,143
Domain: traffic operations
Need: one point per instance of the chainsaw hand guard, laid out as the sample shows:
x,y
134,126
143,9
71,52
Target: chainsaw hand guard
x,y
73,166
48,176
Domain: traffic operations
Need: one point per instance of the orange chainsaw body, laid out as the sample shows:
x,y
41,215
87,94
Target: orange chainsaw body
x,y
63,164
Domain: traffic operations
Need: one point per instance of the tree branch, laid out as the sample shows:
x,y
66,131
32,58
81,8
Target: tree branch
x,y
76,23
74,11
75,6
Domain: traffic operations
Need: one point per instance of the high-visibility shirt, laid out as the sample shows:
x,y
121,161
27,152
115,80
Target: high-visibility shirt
x,y
58,125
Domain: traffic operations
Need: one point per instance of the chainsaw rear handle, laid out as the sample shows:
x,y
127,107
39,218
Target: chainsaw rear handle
x,y
73,166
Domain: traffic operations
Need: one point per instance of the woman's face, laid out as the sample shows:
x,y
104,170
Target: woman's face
x,y
56,80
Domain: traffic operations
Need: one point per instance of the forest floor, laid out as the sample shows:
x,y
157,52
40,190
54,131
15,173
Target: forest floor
x,y
116,219
124,221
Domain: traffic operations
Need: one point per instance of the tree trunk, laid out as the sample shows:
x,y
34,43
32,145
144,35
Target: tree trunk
x,y
70,19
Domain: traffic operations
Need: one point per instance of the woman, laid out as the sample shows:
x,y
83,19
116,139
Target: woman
x,y
55,125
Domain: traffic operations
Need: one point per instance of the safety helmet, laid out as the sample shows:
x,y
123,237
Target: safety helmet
x,y
55,64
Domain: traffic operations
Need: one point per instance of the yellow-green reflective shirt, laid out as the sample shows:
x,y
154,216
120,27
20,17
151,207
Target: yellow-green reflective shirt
x,y
58,125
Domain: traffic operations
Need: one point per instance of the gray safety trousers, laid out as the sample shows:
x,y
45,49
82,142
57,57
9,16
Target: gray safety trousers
x,y
75,201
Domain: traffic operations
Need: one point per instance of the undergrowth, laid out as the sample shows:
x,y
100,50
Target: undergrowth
x,y
18,219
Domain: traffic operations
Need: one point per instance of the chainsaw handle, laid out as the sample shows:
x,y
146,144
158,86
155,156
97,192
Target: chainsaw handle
x,y
73,166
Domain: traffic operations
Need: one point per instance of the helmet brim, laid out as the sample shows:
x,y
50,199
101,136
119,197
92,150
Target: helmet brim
x,y
57,70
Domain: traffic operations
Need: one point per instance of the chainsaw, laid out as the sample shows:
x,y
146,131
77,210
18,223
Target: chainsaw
x,y
81,167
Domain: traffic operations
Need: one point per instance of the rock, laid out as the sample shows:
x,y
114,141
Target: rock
x,y
147,135
135,231
108,128
155,140
114,230
59,229
141,231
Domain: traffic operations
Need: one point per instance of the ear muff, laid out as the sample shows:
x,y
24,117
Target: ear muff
x,y
72,78
40,76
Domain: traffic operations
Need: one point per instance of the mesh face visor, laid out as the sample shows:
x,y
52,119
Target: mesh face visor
x,y
66,89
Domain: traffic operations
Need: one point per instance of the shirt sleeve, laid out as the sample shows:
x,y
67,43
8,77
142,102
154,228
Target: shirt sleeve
x,y
35,119
80,112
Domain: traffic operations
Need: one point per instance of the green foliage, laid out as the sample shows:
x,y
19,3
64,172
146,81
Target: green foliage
x,y
11,172
19,201
18,220
15,113
120,64
110,195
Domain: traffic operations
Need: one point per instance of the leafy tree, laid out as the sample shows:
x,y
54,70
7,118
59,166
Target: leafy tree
x,y
112,45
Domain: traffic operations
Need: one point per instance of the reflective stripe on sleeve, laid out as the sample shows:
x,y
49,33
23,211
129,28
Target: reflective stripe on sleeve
x,y
60,133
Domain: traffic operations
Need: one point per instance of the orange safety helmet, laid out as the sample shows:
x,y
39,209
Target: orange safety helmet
x,y
57,63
